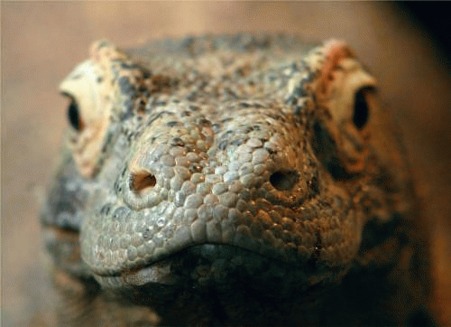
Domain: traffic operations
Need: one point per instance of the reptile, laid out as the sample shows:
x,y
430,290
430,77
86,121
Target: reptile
x,y
233,180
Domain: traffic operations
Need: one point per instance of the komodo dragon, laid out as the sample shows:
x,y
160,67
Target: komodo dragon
x,y
233,180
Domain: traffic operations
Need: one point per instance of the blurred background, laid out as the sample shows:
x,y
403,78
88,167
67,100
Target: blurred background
x,y
41,42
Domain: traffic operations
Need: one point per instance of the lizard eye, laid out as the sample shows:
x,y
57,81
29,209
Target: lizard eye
x,y
93,90
87,114
345,99
73,114
361,107
340,140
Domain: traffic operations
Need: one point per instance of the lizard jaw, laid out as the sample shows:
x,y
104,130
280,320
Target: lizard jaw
x,y
219,265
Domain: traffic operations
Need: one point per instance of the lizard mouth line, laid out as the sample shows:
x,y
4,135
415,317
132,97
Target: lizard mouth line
x,y
61,233
193,263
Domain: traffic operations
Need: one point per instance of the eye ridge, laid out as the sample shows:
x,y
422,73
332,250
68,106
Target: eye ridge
x,y
361,108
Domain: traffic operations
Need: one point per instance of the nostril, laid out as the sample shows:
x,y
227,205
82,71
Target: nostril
x,y
284,180
142,181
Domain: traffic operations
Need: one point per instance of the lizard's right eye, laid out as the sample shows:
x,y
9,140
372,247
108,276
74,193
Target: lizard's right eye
x,y
73,114
88,113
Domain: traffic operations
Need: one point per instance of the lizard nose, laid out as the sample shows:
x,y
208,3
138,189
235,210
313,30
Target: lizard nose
x,y
167,165
284,180
152,175
142,181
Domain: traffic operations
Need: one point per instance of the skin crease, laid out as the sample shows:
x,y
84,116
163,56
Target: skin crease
x,y
236,180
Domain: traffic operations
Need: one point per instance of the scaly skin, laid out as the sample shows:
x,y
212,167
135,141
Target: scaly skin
x,y
238,180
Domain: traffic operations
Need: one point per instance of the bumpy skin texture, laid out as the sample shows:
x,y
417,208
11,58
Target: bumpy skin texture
x,y
235,180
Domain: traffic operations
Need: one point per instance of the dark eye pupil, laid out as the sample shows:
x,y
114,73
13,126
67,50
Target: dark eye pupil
x,y
74,116
361,111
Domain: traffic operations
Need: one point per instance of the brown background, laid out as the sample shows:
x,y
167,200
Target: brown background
x,y
42,41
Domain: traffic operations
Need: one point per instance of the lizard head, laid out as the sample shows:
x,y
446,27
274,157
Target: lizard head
x,y
223,166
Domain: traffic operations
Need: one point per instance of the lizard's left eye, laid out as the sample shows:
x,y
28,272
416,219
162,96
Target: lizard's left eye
x,y
345,101
361,107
